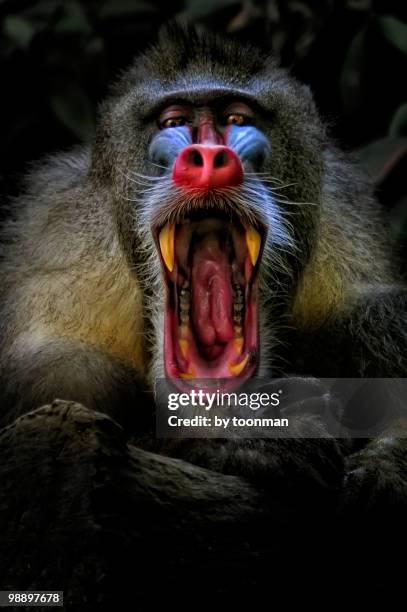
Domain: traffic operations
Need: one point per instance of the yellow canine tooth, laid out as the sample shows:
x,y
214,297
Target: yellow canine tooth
x,y
238,367
239,344
184,346
253,241
190,374
166,240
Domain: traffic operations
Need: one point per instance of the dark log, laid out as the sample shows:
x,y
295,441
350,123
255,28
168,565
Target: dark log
x,y
120,528
82,511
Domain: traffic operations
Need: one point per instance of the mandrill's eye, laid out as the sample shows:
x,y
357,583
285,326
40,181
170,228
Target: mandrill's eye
x,y
173,122
237,119
238,113
174,116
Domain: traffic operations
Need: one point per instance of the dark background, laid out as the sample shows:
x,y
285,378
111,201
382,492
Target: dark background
x,y
59,56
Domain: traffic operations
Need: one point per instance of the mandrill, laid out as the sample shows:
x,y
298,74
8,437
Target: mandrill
x,y
212,230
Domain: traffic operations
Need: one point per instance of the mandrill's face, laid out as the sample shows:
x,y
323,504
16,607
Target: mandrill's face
x,y
217,152
211,227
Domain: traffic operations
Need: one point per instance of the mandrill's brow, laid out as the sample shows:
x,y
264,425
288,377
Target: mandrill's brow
x,y
218,109
217,98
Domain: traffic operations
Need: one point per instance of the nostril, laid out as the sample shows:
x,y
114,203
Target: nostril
x,y
207,167
195,158
220,160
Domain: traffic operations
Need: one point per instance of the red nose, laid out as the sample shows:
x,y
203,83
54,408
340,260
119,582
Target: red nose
x,y
207,167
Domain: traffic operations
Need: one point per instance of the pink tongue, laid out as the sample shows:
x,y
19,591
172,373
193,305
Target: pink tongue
x,y
212,296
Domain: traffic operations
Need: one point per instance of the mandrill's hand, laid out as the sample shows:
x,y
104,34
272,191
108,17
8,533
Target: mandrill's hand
x,y
379,468
309,459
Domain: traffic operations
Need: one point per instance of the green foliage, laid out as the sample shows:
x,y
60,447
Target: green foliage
x,y
398,125
380,156
19,31
73,108
196,9
73,20
120,8
351,84
395,32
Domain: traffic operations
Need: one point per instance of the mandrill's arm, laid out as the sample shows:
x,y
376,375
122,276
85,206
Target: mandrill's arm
x,y
368,339
75,336
73,370
71,319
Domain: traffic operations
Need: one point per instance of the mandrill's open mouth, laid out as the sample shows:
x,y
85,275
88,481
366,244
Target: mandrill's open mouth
x,y
210,265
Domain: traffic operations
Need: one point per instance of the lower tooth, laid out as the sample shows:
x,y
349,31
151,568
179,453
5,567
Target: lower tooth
x,y
184,345
239,344
190,374
183,331
237,368
184,303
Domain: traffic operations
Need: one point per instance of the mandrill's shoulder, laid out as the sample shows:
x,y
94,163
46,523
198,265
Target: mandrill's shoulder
x,y
59,182
58,172
51,183
54,220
